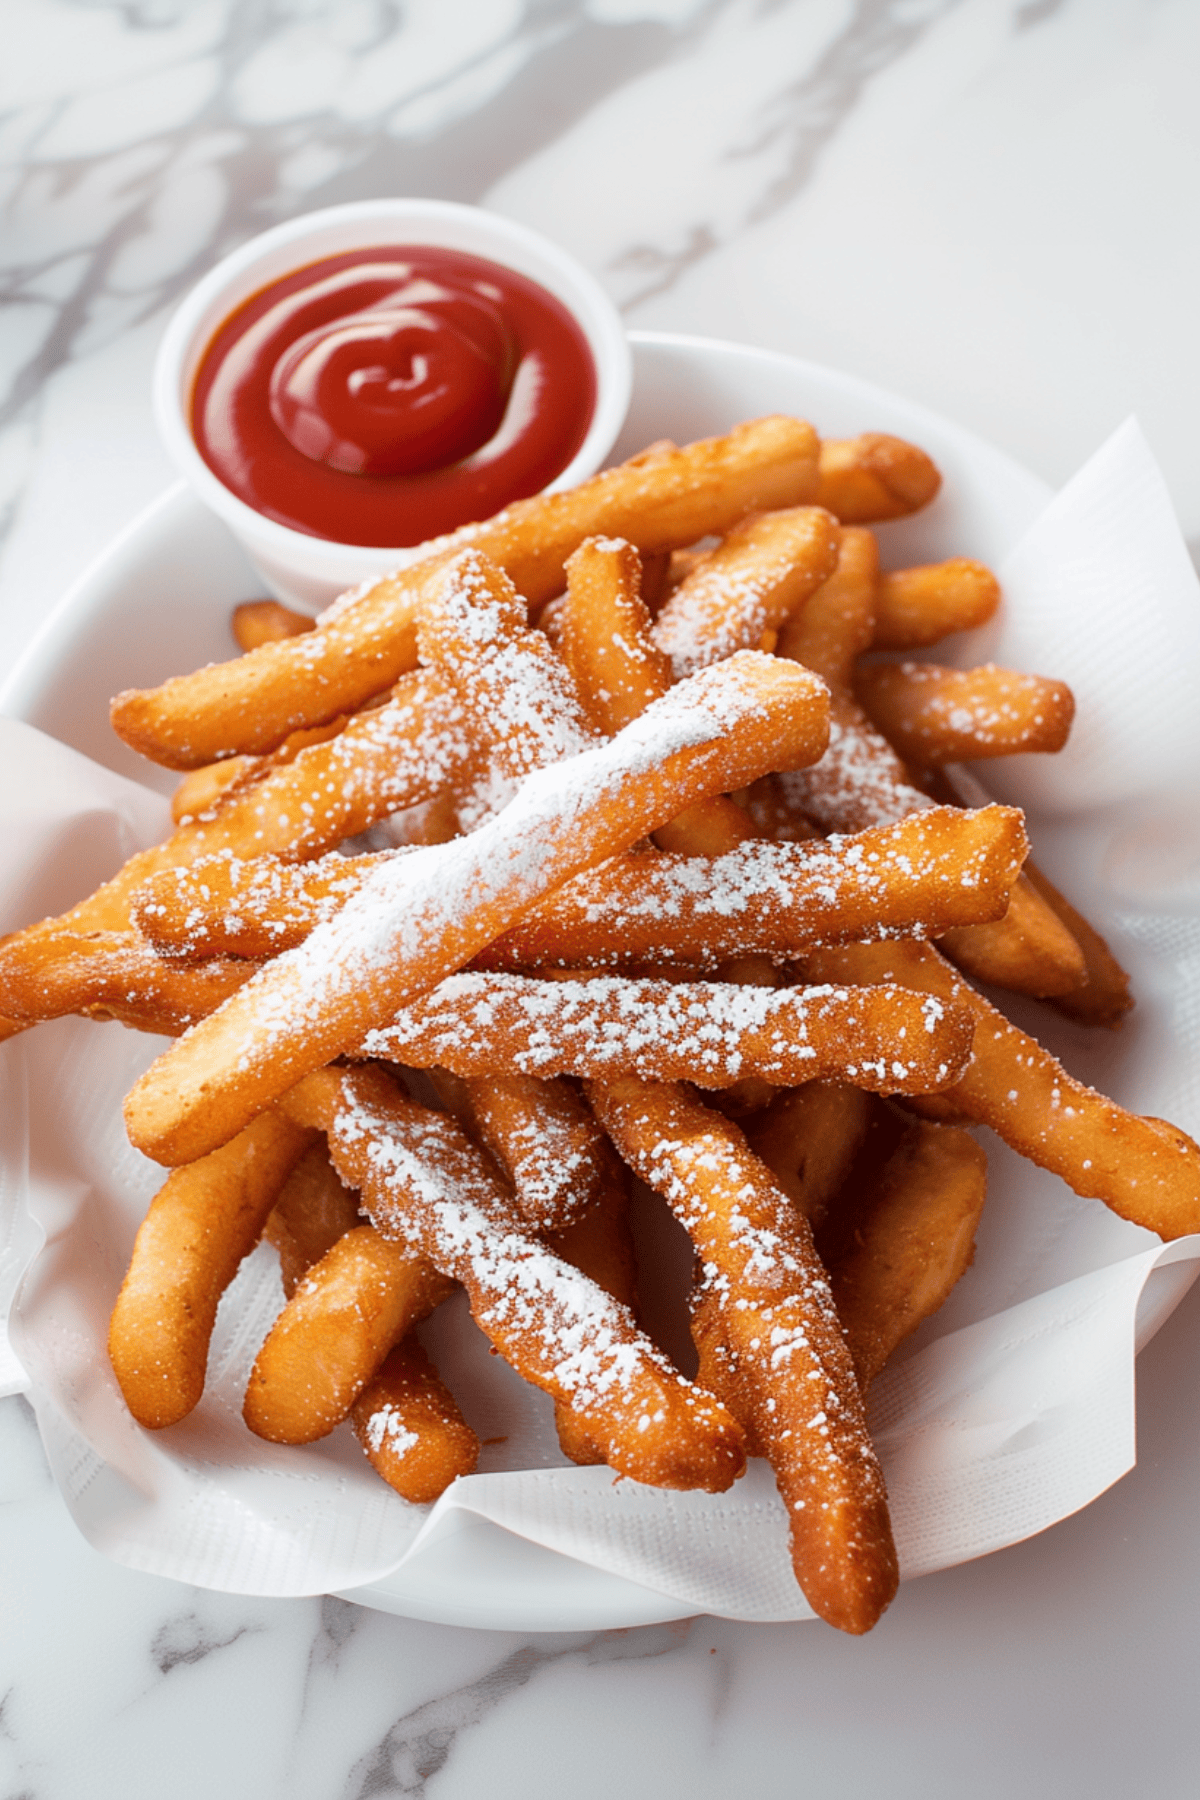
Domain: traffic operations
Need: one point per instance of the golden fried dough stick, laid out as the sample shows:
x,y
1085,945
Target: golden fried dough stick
x,y
916,607
916,878
861,781
604,629
868,479
767,1331
935,869
49,973
808,1137
837,622
334,1332
746,587
472,632
601,1245
200,1225
550,1147
911,1243
402,752
561,1166
1145,1170
312,1212
391,757
201,792
426,1185
409,1425
712,1033
225,905
405,1418
368,639
605,640
423,915
1029,951
1104,998
934,715
257,622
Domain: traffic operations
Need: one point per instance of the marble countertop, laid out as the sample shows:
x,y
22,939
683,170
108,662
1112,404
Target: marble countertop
x,y
985,205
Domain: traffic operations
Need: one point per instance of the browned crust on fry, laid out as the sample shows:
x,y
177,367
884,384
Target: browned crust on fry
x,y
769,1337
874,477
1104,996
369,640
410,1427
1145,1170
1029,950
911,1243
202,1222
257,622
425,1183
334,1332
935,716
916,607
312,1212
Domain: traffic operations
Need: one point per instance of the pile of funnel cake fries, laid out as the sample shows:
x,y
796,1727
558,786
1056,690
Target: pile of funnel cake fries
x,y
595,816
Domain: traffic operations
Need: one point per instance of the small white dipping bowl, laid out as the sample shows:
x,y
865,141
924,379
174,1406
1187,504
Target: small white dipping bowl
x,y
308,572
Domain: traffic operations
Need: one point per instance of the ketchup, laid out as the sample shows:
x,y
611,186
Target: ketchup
x,y
391,394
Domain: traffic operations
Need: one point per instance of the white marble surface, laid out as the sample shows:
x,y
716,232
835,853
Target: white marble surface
x,y
985,204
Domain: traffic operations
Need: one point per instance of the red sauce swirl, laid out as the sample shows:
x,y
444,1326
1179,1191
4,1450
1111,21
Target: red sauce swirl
x,y
391,394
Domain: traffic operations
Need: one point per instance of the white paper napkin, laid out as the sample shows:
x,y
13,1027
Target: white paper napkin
x,y
1015,1406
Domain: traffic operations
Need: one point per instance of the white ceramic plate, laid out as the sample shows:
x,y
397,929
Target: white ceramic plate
x,y
158,601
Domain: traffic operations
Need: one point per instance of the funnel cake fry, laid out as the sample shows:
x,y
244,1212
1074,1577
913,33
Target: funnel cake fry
x,y
367,640
713,1033
424,915
428,1187
202,1222
769,1336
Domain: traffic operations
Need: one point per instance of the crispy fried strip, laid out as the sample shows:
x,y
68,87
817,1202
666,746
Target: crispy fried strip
x,y
868,479
425,1184
1104,997
109,975
746,587
837,622
911,1243
862,782
398,754
366,641
545,1139
601,1245
202,791
472,632
916,607
410,1427
405,1418
808,1137
712,1033
201,1223
257,622
334,1332
934,716
1030,950
935,869
1145,1170
768,1333
604,629
423,915
917,877
561,1166
312,1212
605,640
